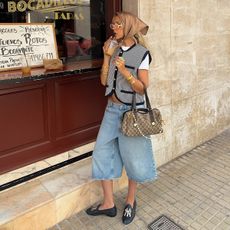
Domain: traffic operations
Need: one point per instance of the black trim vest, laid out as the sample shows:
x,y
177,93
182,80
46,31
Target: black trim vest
x,y
116,83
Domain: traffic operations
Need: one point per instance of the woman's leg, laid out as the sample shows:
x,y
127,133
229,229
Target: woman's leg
x,y
108,207
108,202
131,192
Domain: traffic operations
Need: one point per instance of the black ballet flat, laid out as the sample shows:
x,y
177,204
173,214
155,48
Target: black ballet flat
x,y
129,213
94,211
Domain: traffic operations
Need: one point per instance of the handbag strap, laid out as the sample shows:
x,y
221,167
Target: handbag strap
x,y
148,105
134,104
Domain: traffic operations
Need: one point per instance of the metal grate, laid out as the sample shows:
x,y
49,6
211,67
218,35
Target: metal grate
x,y
164,223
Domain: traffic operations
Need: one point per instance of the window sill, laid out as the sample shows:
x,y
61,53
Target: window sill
x,y
70,68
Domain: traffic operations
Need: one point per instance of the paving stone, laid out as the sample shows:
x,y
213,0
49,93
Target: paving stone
x,y
223,226
215,220
227,221
210,225
193,190
65,225
56,227
196,225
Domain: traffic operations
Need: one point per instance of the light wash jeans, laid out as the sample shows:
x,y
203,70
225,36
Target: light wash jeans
x,y
113,150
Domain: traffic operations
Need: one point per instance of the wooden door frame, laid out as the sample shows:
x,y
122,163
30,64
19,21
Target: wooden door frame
x,y
111,7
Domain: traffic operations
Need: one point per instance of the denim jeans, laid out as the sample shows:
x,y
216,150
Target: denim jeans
x,y
113,150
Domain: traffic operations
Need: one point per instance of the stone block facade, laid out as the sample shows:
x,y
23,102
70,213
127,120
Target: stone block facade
x,y
190,74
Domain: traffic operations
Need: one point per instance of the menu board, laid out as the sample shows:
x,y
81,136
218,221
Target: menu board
x,y
38,41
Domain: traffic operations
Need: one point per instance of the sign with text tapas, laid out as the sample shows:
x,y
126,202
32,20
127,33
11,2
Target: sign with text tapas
x,y
57,7
19,39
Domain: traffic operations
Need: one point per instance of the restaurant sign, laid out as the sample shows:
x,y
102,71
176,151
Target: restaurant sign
x,y
19,39
46,6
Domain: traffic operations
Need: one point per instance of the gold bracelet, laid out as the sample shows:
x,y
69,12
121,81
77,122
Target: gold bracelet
x,y
104,74
105,70
129,77
105,67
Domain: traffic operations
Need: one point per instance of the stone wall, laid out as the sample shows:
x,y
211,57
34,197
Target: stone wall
x,y
190,75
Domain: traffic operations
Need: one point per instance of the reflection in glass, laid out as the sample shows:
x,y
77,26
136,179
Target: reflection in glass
x,y
79,24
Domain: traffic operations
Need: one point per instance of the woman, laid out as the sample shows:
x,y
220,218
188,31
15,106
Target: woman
x,y
123,73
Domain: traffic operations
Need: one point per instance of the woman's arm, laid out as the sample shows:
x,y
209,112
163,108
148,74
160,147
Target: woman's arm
x,y
143,77
105,70
136,84
105,66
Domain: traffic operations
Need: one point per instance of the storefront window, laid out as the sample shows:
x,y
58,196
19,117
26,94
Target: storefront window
x,y
79,24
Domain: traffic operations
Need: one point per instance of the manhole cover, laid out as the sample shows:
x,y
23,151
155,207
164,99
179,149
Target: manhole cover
x,y
164,223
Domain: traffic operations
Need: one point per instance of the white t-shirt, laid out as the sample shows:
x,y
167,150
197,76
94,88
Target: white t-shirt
x,y
144,64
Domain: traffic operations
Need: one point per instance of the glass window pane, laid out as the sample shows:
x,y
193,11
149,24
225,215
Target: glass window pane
x,y
79,24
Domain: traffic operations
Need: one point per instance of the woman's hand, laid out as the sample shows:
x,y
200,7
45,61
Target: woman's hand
x,y
120,64
106,46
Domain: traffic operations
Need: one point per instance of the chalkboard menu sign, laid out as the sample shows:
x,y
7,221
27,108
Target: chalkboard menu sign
x,y
38,41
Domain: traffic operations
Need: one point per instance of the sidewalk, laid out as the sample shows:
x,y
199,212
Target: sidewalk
x,y
193,190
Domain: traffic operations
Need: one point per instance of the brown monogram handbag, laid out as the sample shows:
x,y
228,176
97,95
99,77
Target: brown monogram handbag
x,y
141,121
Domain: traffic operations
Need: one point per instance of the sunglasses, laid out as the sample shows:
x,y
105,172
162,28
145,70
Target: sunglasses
x,y
115,26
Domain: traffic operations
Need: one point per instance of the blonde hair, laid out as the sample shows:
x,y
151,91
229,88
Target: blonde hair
x,y
138,37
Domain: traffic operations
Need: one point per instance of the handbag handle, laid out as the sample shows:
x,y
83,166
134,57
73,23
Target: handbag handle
x,y
134,104
148,105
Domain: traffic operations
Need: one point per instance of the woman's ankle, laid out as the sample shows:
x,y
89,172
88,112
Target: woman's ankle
x,y
130,201
106,205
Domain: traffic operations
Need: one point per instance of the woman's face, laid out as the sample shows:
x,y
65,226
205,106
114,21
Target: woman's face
x,y
117,28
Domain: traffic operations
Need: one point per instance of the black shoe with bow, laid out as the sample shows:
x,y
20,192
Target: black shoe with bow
x,y
129,213
95,211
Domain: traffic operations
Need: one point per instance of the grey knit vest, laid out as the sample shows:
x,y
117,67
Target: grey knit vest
x,y
116,83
